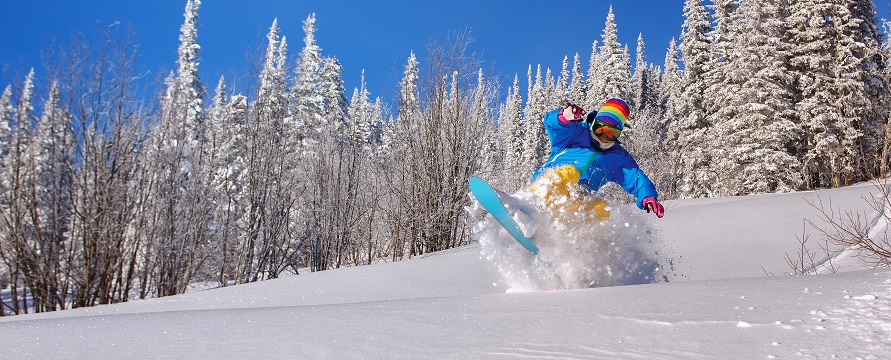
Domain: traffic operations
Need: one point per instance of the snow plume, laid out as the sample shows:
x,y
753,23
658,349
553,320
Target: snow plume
x,y
576,250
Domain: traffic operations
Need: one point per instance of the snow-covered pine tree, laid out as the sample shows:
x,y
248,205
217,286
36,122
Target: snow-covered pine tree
x,y
52,151
180,206
338,189
7,113
510,131
396,150
219,133
595,93
554,96
377,122
655,88
816,46
758,130
14,200
408,105
17,166
695,141
885,52
483,98
640,81
577,86
272,140
23,113
226,123
670,90
49,183
363,122
190,90
616,70
272,101
332,90
647,116
562,90
535,141
722,81
722,78
308,101
865,50
237,179
182,110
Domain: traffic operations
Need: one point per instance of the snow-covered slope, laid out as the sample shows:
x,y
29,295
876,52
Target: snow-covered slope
x,y
718,304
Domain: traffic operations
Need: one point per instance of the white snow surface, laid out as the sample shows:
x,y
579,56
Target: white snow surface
x,y
707,284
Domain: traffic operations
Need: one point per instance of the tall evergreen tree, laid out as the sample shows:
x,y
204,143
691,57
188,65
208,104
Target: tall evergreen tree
x,y
309,103
332,90
396,147
7,114
562,91
180,206
49,183
190,90
483,100
272,101
885,52
595,92
722,78
553,94
616,71
510,131
273,138
670,91
816,47
866,50
694,141
227,119
535,145
16,243
640,81
409,104
365,122
23,113
759,129
577,86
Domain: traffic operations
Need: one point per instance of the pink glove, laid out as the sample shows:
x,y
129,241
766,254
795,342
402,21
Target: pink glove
x,y
651,203
571,112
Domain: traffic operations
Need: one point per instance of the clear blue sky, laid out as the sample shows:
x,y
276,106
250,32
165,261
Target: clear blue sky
x,y
373,35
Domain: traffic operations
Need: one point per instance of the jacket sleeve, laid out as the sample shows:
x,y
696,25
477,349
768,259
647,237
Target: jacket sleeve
x,y
559,132
634,180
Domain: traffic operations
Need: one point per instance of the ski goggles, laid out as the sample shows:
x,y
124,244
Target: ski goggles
x,y
605,132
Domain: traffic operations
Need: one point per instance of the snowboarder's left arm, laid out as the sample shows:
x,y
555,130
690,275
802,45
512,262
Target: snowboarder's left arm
x,y
635,182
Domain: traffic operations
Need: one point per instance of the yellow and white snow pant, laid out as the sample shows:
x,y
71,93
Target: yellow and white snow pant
x,y
559,189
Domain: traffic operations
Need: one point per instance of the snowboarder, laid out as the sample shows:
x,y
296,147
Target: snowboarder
x,y
586,151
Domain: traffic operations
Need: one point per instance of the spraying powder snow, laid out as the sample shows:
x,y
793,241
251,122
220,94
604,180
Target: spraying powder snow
x,y
580,246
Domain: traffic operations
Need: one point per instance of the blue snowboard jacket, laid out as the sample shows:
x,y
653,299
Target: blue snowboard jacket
x,y
572,144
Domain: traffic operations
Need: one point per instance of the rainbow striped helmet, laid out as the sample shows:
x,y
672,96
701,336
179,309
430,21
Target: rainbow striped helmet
x,y
608,122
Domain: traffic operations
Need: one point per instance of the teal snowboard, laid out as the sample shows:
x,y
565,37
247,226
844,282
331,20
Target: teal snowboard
x,y
492,203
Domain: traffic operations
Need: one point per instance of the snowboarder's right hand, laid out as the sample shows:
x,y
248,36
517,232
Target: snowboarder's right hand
x,y
650,203
572,112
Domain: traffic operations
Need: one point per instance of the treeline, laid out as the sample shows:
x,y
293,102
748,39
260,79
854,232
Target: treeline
x,y
105,197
